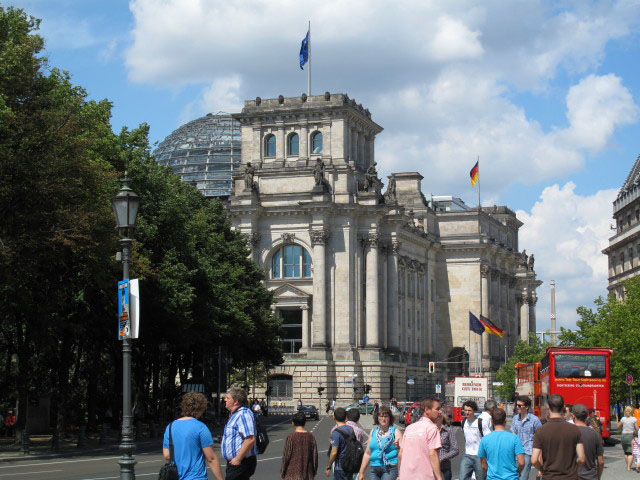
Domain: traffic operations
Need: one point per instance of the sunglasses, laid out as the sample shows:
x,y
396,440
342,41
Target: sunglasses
x,y
520,405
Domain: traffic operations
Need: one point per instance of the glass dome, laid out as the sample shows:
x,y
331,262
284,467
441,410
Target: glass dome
x,y
204,152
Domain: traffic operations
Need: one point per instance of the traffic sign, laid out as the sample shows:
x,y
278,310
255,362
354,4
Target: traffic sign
x,y
438,388
411,381
365,399
629,379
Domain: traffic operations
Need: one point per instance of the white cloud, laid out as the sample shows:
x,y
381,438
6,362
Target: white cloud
x,y
596,106
442,78
567,232
462,117
219,96
453,40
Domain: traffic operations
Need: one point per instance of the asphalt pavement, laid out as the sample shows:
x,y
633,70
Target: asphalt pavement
x,y
102,464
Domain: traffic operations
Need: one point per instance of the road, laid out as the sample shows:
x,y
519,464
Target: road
x,y
105,467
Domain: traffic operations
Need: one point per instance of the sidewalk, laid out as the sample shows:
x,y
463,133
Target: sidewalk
x,y
40,448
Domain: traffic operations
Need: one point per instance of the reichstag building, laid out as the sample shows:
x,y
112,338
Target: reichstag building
x,y
372,279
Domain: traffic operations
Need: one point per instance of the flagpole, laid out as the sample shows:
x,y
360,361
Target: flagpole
x,y
480,276
469,343
309,57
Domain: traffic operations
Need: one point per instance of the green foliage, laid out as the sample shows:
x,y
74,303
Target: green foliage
x,y
59,165
614,325
523,353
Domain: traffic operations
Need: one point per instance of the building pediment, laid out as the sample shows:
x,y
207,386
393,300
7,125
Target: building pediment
x,y
288,291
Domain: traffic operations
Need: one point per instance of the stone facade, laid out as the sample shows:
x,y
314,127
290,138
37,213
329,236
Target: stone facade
x,y
624,247
371,286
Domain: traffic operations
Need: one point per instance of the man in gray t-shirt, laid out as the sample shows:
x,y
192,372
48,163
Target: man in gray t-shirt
x,y
592,442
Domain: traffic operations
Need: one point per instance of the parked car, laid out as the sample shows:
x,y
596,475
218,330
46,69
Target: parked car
x,y
361,406
310,412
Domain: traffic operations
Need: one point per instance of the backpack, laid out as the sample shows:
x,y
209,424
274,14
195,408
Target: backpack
x,y
262,437
479,425
353,453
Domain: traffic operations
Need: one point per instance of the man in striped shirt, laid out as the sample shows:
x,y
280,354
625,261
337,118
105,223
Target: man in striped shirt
x,y
239,439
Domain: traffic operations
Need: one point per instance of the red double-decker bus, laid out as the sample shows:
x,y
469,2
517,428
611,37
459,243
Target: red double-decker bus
x,y
528,383
580,375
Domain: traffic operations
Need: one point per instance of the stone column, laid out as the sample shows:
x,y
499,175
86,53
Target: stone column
x,y
384,297
416,299
318,240
257,142
394,327
326,138
512,314
253,239
360,277
404,328
304,142
280,146
485,272
361,158
524,316
532,312
354,146
373,321
305,326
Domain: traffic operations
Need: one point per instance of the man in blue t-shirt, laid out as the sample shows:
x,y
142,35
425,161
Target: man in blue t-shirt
x,y
500,450
338,445
192,441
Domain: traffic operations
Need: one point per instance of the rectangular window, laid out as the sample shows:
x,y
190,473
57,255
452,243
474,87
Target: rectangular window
x,y
291,262
291,330
580,366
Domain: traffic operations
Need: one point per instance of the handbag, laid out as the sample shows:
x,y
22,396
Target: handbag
x,y
169,471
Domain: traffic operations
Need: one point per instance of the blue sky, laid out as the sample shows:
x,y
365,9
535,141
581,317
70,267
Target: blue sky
x,y
546,93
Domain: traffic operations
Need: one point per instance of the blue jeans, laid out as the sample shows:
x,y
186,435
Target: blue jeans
x,y
389,472
340,475
524,474
470,464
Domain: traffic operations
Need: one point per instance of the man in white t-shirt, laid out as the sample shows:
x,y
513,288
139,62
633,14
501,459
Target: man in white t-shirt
x,y
487,422
471,427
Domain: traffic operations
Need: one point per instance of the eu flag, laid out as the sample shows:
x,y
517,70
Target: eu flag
x,y
475,325
304,51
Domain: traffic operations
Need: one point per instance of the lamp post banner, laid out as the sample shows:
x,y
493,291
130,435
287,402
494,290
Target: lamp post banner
x,y
134,308
124,319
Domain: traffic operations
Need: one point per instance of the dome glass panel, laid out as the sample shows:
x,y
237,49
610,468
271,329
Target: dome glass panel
x,y
204,152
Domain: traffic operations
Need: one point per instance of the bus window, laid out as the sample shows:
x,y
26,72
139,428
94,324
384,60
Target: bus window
x,y
580,366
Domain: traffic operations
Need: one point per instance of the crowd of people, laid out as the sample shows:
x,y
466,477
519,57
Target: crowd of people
x,y
566,445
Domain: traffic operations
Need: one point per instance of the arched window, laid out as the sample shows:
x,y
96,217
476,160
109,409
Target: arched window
x,y
292,144
291,261
316,142
270,146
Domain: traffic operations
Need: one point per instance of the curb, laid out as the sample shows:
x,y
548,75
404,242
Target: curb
x,y
70,453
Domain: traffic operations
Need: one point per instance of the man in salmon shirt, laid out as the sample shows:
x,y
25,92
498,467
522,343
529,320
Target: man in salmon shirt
x,y
418,457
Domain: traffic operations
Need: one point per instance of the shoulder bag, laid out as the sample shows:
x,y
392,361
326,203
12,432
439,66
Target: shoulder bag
x,y
169,471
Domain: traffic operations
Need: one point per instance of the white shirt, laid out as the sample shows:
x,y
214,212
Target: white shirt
x,y
487,422
471,437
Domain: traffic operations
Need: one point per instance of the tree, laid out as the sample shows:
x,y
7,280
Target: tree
x,y
613,324
59,165
56,227
524,352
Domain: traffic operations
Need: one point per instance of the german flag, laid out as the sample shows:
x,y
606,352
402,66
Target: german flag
x,y
475,171
490,327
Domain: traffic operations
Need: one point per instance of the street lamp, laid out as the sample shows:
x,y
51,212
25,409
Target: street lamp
x,y
125,206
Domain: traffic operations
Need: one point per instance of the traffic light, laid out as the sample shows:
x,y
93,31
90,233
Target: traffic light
x,y
320,390
432,367
367,388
